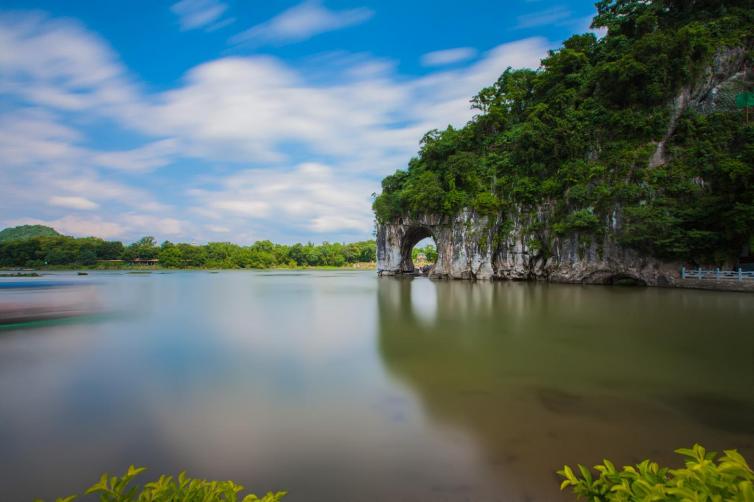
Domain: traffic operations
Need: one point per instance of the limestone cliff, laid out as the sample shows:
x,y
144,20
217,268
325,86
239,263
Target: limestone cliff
x,y
477,247
520,244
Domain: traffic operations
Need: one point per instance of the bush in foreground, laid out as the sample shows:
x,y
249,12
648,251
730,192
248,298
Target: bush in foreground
x,y
168,489
702,479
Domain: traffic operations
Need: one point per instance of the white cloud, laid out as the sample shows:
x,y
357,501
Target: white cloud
x,y
302,22
254,108
194,14
151,225
251,108
38,150
73,202
355,116
541,18
312,196
242,206
448,56
34,136
442,98
59,64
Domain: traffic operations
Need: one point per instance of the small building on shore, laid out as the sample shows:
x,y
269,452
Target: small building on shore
x,y
144,261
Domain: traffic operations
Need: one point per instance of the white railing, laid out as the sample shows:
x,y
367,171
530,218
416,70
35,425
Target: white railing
x,y
717,274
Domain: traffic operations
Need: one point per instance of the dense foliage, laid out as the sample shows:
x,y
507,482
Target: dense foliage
x,y
168,489
701,479
429,251
90,251
26,232
575,138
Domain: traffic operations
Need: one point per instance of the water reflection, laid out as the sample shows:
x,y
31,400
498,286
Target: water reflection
x,y
543,375
340,386
35,302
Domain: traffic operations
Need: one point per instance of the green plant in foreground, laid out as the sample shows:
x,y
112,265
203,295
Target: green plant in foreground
x,y
701,480
169,489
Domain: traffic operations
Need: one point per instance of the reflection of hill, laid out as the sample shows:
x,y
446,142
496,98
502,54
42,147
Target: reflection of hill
x,y
547,374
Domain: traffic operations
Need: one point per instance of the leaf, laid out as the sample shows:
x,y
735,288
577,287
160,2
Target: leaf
x,y
746,490
686,452
569,474
585,473
182,479
100,486
135,471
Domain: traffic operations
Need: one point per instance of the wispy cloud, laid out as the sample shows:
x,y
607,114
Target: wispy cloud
x,y
544,17
73,202
301,22
144,158
193,14
448,56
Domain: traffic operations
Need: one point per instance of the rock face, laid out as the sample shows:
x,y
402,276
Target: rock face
x,y
715,90
470,246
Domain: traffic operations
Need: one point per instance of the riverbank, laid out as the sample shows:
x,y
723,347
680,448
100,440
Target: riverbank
x,y
725,285
745,286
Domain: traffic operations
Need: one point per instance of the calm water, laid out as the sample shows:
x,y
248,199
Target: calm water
x,y
341,386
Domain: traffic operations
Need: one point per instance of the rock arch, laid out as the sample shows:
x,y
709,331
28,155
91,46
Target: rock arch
x,y
395,243
411,238
458,255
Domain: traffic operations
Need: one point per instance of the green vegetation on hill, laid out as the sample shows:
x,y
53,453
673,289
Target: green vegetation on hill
x,y
26,232
575,137
62,251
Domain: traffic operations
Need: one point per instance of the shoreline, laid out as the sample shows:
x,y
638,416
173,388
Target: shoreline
x,y
733,286
729,286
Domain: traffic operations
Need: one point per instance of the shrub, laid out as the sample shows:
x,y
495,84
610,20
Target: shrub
x,y
168,489
702,479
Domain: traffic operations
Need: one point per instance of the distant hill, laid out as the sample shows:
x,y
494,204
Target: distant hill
x,y
26,232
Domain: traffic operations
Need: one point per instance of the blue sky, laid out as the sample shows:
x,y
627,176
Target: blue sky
x,y
210,120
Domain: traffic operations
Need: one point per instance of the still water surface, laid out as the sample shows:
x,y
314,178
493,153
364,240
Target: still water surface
x,y
342,386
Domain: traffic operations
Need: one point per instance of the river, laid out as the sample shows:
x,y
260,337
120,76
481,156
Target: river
x,y
339,386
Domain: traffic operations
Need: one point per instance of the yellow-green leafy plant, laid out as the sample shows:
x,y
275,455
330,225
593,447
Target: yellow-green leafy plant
x,y
703,479
169,489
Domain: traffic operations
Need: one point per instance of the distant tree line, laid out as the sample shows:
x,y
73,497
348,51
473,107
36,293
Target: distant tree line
x,y
90,251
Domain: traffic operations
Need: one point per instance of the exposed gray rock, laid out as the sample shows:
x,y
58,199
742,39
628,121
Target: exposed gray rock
x,y
708,94
471,246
